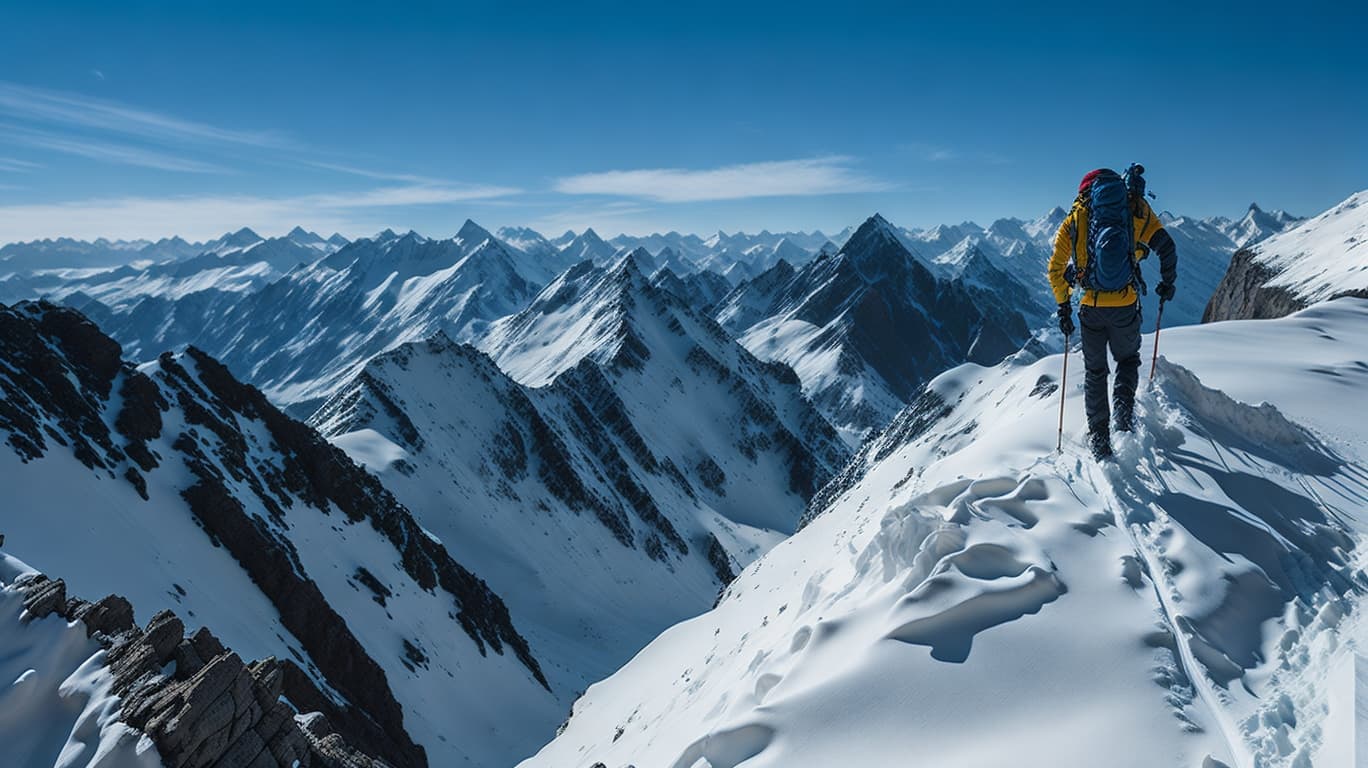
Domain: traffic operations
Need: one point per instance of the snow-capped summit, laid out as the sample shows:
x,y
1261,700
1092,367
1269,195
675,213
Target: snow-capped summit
x,y
787,250
1044,228
239,239
472,234
876,251
303,236
680,376
1258,224
866,326
587,245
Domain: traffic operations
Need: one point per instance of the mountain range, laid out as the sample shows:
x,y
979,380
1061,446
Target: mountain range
x,y
723,500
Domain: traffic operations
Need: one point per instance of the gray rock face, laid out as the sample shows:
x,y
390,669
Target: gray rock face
x,y
1244,293
197,701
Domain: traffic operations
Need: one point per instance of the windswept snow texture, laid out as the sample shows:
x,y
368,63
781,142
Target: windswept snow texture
x,y
963,595
56,708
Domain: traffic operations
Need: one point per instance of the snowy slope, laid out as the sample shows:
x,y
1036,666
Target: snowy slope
x,y
1325,256
965,596
691,391
597,539
643,459
179,488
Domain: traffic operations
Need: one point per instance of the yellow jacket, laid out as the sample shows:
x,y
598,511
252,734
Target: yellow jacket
x,y
1072,241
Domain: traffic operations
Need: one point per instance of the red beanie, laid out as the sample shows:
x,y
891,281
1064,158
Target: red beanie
x,y
1088,178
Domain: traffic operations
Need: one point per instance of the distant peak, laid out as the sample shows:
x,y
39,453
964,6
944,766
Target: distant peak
x,y
472,233
874,227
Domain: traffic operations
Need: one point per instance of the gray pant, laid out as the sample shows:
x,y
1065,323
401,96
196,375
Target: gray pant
x,y
1117,328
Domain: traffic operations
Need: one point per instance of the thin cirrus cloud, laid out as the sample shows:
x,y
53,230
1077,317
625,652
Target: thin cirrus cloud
x,y
15,165
782,178
203,217
72,110
104,151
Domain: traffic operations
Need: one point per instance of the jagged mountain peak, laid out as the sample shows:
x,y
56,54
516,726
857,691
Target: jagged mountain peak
x,y
876,251
632,260
472,233
239,239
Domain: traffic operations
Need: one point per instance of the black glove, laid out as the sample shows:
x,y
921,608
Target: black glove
x,y
1164,291
1066,318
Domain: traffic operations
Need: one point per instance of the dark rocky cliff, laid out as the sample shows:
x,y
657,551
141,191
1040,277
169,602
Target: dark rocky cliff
x,y
1244,292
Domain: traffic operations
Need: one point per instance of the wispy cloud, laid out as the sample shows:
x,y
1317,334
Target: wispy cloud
x,y
103,151
67,109
784,178
15,165
372,174
200,217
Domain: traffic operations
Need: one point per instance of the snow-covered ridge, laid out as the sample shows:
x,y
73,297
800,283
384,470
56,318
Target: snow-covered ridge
x,y
968,597
1323,257
211,502
643,458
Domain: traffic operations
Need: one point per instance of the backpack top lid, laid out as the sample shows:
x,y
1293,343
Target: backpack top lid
x,y
1090,175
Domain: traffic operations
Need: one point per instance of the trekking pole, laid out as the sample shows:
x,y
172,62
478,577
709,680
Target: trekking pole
x,y
1158,323
1059,446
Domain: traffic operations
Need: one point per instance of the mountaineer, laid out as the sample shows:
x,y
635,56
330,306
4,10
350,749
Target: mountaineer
x,y
1099,247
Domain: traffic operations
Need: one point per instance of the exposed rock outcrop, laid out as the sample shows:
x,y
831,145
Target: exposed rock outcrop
x,y
1244,293
198,701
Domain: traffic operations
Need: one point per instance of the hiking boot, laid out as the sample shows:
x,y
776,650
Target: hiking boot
x,y
1100,443
1123,417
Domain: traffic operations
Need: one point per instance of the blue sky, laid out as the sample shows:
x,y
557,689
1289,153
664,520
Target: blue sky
x,y
149,118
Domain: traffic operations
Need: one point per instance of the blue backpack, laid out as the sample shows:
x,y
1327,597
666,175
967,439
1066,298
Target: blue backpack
x,y
1111,237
